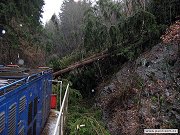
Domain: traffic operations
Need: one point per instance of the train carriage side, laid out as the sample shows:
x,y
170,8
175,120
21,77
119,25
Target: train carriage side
x,y
25,106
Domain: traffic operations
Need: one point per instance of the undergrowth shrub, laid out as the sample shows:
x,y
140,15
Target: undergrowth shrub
x,y
82,118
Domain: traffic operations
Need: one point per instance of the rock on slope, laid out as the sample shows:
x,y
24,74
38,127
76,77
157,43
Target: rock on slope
x,y
144,93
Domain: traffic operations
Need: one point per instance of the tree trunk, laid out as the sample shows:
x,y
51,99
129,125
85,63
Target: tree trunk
x,y
79,64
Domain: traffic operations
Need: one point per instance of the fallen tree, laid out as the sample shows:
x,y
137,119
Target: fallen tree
x,y
81,63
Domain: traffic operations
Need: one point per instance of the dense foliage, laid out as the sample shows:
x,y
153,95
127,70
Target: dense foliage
x,y
83,27
123,28
127,26
24,32
82,118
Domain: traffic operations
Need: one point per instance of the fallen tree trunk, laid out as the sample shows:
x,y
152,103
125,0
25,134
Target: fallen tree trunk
x,y
79,64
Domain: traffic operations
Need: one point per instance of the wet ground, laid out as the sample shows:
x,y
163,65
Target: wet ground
x,y
51,123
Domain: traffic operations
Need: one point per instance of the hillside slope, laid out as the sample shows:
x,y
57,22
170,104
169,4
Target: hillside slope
x,y
144,94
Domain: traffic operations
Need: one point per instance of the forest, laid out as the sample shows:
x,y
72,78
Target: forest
x,y
112,89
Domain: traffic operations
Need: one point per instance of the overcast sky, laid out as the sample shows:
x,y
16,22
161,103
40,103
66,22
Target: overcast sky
x,y
51,7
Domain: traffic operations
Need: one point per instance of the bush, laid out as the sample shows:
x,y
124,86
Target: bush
x,y
81,113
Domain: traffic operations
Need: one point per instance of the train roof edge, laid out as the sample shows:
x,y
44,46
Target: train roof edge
x,y
13,75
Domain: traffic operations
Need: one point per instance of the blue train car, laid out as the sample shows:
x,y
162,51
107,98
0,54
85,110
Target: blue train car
x,y
24,100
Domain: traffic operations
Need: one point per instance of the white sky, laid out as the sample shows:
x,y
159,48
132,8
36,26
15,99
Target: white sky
x,y
51,7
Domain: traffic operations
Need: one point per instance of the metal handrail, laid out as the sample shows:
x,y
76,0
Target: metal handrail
x,y
59,128
31,76
11,84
